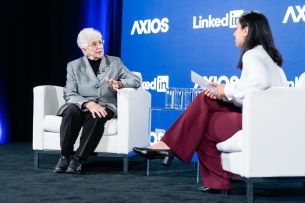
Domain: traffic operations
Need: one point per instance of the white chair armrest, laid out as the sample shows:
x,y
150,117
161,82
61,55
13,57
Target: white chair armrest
x,y
274,133
47,100
133,118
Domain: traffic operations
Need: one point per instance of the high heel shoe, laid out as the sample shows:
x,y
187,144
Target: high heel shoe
x,y
166,154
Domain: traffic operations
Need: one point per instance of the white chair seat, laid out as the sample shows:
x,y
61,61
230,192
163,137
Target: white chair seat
x,y
52,124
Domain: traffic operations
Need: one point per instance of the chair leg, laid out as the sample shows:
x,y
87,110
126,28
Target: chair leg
x,y
147,169
249,191
125,163
36,159
225,192
198,172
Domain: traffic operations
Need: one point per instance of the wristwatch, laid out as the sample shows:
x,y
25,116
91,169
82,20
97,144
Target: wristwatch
x,y
120,84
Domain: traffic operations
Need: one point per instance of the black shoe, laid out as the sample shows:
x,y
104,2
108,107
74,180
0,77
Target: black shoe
x,y
62,164
166,154
75,166
213,191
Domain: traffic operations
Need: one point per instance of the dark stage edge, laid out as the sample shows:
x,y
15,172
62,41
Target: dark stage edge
x,y
104,181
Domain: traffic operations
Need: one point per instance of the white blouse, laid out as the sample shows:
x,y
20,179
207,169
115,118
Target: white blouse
x,y
259,72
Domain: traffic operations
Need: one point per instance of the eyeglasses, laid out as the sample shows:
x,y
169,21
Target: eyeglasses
x,y
97,43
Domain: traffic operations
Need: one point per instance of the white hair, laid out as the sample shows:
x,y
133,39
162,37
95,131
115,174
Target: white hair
x,y
84,35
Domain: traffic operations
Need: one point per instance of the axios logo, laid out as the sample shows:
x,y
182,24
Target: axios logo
x,y
225,80
160,84
148,26
217,22
290,12
221,80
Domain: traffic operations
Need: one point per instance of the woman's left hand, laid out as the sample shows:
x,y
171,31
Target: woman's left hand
x,y
219,91
116,85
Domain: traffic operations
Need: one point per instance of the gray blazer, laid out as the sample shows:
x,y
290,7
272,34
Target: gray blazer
x,y
83,85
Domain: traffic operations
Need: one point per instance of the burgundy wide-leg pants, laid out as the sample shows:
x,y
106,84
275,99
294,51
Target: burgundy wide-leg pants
x,y
202,125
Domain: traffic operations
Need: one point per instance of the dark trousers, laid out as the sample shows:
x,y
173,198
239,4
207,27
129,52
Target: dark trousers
x,y
93,129
202,125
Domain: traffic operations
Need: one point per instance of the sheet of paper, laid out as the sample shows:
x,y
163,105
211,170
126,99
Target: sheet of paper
x,y
199,80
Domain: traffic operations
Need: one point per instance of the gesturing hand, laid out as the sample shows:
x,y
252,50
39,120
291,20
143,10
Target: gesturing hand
x,y
95,108
116,85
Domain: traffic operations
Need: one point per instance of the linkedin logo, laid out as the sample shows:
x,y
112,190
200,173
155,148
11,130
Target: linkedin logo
x,y
160,83
227,21
150,26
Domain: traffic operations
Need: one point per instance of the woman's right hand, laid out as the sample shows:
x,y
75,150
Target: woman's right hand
x,y
219,92
95,108
209,93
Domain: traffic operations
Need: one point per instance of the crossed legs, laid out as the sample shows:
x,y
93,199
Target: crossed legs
x,y
203,124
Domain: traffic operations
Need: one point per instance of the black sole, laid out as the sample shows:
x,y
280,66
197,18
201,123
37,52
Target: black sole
x,y
73,172
59,171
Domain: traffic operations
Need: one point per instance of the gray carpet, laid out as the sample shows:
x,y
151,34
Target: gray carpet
x,y
104,181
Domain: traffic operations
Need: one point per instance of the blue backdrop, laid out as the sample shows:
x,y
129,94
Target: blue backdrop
x,y
3,113
166,39
105,16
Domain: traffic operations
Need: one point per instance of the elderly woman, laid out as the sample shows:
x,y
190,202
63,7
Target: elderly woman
x,y
91,99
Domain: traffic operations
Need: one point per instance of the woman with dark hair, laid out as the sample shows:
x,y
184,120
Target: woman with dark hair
x,y
214,117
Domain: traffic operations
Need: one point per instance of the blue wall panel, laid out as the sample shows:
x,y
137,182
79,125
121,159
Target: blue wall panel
x,y
209,51
166,38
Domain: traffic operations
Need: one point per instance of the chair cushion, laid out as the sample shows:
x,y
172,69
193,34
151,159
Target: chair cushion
x,y
52,124
233,144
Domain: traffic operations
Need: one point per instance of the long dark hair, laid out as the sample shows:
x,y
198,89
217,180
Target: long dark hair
x,y
259,33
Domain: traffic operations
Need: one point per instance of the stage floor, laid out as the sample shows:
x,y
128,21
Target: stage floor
x,y
104,181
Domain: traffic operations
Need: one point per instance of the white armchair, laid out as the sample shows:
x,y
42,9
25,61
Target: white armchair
x,y
121,134
270,146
